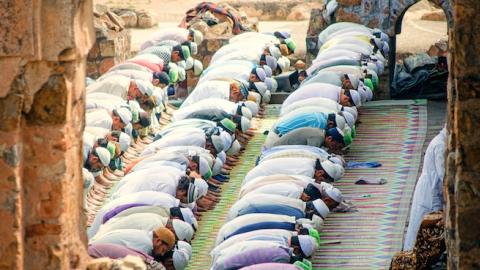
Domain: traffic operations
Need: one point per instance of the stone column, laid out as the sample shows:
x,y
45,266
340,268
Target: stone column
x,y
43,45
462,183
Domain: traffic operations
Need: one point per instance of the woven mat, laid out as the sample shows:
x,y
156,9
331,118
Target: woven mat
x,y
392,135
213,220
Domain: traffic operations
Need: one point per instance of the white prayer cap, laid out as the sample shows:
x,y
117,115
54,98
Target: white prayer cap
x,y
261,87
349,119
145,87
202,187
337,160
197,36
340,120
260,73
180,259
282,64
275,51
357,101
353,79
268,71
125,115
274,85
245,111
217,142
352,110
308,245
335,194
271,62
189,63
252,106
104,155
203,166
269,83
222,156
197,67
193,48
217,166
182,64
189,217
182,245
227,141
183,230
329,168
192,193
378,42
267,97
235,148
181,74
244,124
128,129
363,93
338,172
124,141
321,208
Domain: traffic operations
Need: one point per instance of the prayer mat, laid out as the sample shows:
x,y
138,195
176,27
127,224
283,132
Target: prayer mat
x,y
367,239
213,220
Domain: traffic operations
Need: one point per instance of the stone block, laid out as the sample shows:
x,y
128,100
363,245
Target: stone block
x,y
343,15
130,18
16,30
145,20
437,15
107,48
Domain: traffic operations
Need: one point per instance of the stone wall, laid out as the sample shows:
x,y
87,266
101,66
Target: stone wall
x,y
43,45
112,44
462,185
275,10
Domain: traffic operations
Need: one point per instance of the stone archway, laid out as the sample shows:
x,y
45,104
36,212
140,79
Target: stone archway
x,y
398,9
43,45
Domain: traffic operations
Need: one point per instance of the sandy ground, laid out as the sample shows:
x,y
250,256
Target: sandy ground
x,y
416,36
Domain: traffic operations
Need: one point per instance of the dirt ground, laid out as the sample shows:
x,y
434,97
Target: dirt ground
x,y
417,35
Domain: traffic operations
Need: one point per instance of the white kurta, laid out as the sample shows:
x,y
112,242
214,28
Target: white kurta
x,y
145,197
235,72
205,104
116,85
314,90
172,33
246,236
259,182
428,196
140,221
239,222
296,166
288,189
210,89
236,47
134,239
259,198
326,103
160,180
243,247
99,118
183,137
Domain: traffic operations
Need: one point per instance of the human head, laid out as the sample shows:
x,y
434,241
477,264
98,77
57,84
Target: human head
x,y
185,190
120,118
235,93
177,54
310,193
97,159
257,75
163,241
334,140
333,198
322,169
346,82
160,79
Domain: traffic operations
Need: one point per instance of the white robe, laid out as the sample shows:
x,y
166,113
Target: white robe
x,y
239,222
296,166
328,104
116,85
259,198
99,118
210,89
135,239
428,196
182,137
145,197
139,221
314,90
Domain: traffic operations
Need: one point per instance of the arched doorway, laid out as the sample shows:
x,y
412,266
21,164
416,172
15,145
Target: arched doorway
x,y
421,38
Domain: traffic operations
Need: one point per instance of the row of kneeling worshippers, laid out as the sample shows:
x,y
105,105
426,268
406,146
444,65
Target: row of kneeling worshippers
x,y
173,173
284,200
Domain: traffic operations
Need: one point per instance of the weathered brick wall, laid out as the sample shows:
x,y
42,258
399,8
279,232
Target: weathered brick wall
x,y
112,45
43,45
462,182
